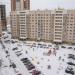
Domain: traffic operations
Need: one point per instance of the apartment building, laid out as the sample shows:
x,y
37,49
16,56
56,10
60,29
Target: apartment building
x,y
70,27
17,5
19,24
59,25
0,26
40,25
14,20
47,25
0,30
23,24
3,16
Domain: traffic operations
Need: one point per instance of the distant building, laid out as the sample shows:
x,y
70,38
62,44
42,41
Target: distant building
x,y
0,30
19,24
3,17
14,21
47,25
17,5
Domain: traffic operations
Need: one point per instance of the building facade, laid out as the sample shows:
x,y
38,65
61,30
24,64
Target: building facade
x,y
14,20
17,5
40,25
0,30
47,25
3,17
23,24
19,24
70,26
59,24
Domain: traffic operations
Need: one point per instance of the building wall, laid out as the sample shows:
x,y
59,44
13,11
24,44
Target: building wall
x,y
14,20
47,25
13,5
40,23
70,26
23,24
26,4
3,17
59,25
17,5
0,29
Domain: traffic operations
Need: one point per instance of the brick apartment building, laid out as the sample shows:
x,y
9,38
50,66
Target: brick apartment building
x,y
48,25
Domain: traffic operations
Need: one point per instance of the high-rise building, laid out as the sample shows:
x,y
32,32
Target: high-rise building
x,y
23,24
48,25
59,24
14,19
17,5
13,5
3,17
0,30
40,25
19,24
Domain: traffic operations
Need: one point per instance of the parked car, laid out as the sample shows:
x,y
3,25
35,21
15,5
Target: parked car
x,y
24,59
49,45
30,67
9,32
36,72
13,41
63,47
69,70
71,63
6,41
74,48
13,65
6,52
5,37
71,56
27,63
14,48
69,47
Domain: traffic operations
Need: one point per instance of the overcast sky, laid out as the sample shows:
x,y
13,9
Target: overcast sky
x,y
45,4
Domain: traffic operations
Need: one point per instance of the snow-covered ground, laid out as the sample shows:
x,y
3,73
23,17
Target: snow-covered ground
x,y
44,56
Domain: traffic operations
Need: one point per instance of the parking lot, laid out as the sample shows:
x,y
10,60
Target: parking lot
x,y
38,58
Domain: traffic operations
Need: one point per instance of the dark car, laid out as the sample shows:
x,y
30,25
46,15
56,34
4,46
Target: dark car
x,y
27,63
71,63
14,48
74,48
13,41
30,67
5,37
69,70
63,47
71,56
36,72
49,45
9,32
24,59
69,47
13,65
6,52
